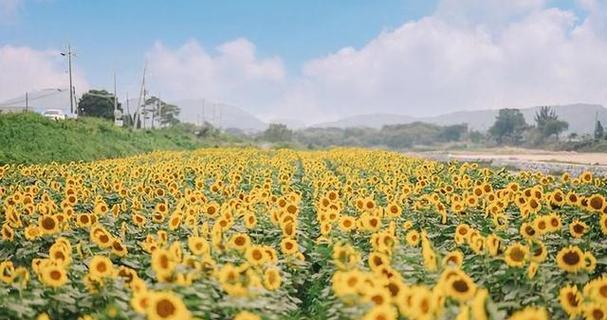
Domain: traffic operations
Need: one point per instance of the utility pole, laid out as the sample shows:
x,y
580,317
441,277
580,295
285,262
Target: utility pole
x,y
69,55
27,100
128,111
140,103
115,98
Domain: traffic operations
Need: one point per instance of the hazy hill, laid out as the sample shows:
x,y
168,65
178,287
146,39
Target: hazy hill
x,y
219,115
375,120
581,118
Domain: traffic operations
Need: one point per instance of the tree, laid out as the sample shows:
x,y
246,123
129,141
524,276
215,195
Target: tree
x,y
164,112
548,123
453,132
509,123
98,103
277,132
544,115
554,127
598,130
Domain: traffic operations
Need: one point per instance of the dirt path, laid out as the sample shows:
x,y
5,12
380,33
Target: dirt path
x,y
525,159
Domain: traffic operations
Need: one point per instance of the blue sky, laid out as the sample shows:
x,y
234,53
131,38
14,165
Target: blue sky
x,y
316,60
114,32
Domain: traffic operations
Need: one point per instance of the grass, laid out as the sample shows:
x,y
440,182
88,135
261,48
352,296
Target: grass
x,y
30,138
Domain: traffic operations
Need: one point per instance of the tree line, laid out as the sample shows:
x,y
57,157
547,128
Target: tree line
x,y
509,128
100,104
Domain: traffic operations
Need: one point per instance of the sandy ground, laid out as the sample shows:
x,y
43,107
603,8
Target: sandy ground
x,y
532,155
525,159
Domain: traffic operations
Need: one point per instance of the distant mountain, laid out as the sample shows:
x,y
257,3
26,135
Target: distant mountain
x,y
581,118
375,120
292,124
219,115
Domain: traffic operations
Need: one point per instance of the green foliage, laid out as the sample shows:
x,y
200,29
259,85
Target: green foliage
x,y
277,132
165,112
509,125
548,123
97,103
31,138
554,127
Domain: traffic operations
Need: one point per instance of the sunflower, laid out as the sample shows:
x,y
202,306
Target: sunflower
x,y
571,300
347,223
516,255
454,258
530,313
477,305
272,279
532,270
554,222
256,255
198,245
162,263
596,202
378,260
138,219
289,246
528,231
578,228
461,287
493,243
239,242
603,222
101,267
381,312
539,253
118,248
594,311
412,238
166,306
48,224
250,220
570,259
53,276
423,304
32,232
589,261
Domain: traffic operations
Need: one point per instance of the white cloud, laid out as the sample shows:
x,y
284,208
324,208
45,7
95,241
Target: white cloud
x,y
470,54
25,69
534,55
232,74
9,10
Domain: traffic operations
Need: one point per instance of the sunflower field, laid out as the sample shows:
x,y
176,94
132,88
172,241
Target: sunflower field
x,y
236,233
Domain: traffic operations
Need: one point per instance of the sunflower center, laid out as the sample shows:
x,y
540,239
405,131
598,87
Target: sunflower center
x,y
460,286
517,254
164,261
598,314
596,203
55,275
530,231
165,308
571,258
48,223
578,228
572,299
101,267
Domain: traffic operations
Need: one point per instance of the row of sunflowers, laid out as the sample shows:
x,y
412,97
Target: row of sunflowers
x,y
281,234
